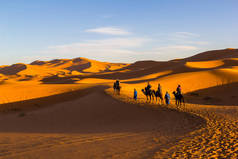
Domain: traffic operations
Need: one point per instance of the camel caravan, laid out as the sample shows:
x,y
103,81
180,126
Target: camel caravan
x,y
155,95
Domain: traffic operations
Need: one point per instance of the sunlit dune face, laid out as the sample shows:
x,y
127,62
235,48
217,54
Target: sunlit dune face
x,y
96,66
189,82
205,64
42,71
148,77
20,91
96,80
82,65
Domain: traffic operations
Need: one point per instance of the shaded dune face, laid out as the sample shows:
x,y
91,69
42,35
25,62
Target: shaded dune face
x,y
214,55
13,69
225,94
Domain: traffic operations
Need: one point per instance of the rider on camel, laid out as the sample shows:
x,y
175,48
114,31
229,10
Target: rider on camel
x,y
179,91
159,89
148,87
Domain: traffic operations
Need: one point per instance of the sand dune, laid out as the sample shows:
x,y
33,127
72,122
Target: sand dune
x,y
79,128
61,106
205,64
80,65
214,55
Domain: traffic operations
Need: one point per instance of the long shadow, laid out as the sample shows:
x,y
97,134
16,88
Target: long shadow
x,y
36,103
92,111
225,94
58,80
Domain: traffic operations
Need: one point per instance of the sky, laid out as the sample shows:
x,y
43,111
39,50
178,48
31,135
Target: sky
x,y
115,31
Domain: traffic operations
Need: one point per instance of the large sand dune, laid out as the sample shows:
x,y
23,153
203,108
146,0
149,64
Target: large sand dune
x,y
79,128
59,109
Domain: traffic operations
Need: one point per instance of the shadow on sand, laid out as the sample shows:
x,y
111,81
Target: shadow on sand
x,y
225,94
92,111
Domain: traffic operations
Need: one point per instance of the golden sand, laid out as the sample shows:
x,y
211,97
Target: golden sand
x,y
72,117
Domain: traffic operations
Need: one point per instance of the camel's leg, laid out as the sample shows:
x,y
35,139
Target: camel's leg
x,y
162,101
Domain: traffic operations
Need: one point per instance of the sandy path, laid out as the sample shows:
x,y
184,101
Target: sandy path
x,y
92,126
219,139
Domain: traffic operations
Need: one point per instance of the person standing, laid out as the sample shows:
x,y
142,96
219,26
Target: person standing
x,y
135,94
167,98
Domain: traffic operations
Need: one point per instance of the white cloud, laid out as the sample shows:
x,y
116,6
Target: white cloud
x,y
186,35
186,38
171,52
177,48
128,49
109,30
106,49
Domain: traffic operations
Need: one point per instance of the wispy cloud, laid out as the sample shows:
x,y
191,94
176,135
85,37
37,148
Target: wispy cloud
x,y
109,30
168,52
186,38
176,48
106,49
186,35
128,49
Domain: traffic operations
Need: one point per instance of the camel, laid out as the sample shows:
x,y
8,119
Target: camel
x,y
159,95
179,99
116,88
148,93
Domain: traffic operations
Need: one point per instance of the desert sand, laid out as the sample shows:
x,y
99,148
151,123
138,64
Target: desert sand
x,y
66,108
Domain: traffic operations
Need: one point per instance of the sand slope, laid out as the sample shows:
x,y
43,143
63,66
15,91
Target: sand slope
x,y
86,128
58,109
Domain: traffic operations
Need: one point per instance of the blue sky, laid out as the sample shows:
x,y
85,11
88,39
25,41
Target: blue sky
x,y
116,31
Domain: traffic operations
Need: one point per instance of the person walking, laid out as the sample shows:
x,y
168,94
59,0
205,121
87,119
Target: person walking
x,y
167,98
135,94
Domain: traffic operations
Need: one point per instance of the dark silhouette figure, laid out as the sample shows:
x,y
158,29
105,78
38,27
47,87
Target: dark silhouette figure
x,y
159,95
135,94
167,98
148,93
117,87
148,87
179,91
179,99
